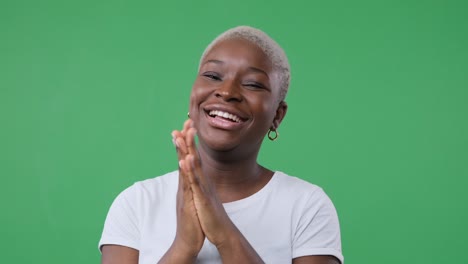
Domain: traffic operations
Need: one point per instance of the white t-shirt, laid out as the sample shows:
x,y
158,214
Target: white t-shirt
x,y
287,218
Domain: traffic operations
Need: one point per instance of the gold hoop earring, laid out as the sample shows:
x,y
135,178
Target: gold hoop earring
x,y
273,137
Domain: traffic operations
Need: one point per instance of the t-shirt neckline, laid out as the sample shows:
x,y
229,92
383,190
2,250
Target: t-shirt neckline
x,y
233,206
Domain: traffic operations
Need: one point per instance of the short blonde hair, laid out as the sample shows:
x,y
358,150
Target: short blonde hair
x,y
271,49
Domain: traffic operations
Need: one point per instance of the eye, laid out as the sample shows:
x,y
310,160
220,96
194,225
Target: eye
x,y
212,76
255,85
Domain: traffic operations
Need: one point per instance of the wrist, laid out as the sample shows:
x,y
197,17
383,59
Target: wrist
x,y
230,239
184,252
236,249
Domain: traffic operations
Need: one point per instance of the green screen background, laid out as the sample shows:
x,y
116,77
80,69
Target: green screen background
x,y
378,104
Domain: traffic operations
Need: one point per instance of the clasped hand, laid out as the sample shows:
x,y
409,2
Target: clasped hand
x,y
200,213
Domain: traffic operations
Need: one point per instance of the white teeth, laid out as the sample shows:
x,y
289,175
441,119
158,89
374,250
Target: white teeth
x,y
224,115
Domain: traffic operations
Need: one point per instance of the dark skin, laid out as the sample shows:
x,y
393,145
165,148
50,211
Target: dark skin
x,y
235,77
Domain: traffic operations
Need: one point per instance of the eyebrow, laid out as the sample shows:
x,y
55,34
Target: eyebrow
x,y
254,69
213,61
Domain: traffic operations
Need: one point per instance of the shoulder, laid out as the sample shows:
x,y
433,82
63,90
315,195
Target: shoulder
x,y
295,186
153,188
294,182
316,229
169,179
137,204
302,195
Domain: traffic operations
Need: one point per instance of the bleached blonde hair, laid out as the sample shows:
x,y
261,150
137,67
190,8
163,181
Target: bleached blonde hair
x,y
269,46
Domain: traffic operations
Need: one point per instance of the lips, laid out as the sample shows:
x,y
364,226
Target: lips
x,y
225,115
224,118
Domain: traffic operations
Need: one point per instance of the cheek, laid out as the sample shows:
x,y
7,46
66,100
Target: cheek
x,y
265,108
197,96
200,90
193,104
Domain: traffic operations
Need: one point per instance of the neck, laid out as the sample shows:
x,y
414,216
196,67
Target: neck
x,y
233,177
222,169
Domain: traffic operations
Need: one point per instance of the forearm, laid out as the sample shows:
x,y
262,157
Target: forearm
x,y
175,255
236,249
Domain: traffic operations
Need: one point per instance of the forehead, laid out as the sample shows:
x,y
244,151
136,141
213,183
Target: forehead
x,y
240,51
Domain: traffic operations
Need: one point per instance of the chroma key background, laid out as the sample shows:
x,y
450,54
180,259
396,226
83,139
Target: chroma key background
x,y
378,116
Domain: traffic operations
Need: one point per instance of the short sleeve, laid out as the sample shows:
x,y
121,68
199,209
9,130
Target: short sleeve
x,y
318,229
121,225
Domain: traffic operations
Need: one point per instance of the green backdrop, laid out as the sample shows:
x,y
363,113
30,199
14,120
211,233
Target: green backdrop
x,y
378,104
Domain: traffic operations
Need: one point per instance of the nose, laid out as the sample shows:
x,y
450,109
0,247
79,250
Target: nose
x,y
229,91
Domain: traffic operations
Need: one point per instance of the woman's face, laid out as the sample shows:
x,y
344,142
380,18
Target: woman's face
x,y
235,97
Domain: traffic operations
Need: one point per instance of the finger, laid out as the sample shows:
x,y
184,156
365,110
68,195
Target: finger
x,y
196,175
182,147
187,169
195,159
184,180
184,184
192,176
179,143
181,134
205,182
195,163
187,124
190,141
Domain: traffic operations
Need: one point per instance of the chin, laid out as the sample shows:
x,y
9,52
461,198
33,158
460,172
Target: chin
x,y
220,145
218,140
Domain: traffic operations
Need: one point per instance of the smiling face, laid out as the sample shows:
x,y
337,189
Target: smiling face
x,y
235,98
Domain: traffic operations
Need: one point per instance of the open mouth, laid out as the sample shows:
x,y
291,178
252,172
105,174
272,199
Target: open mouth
x,y
225,116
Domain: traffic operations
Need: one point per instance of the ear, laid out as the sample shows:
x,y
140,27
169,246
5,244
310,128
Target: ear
x,y
280,114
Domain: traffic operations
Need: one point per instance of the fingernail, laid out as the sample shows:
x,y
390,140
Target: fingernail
x,y
173,139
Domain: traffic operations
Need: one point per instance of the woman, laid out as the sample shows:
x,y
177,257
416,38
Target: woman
x,y
221,206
